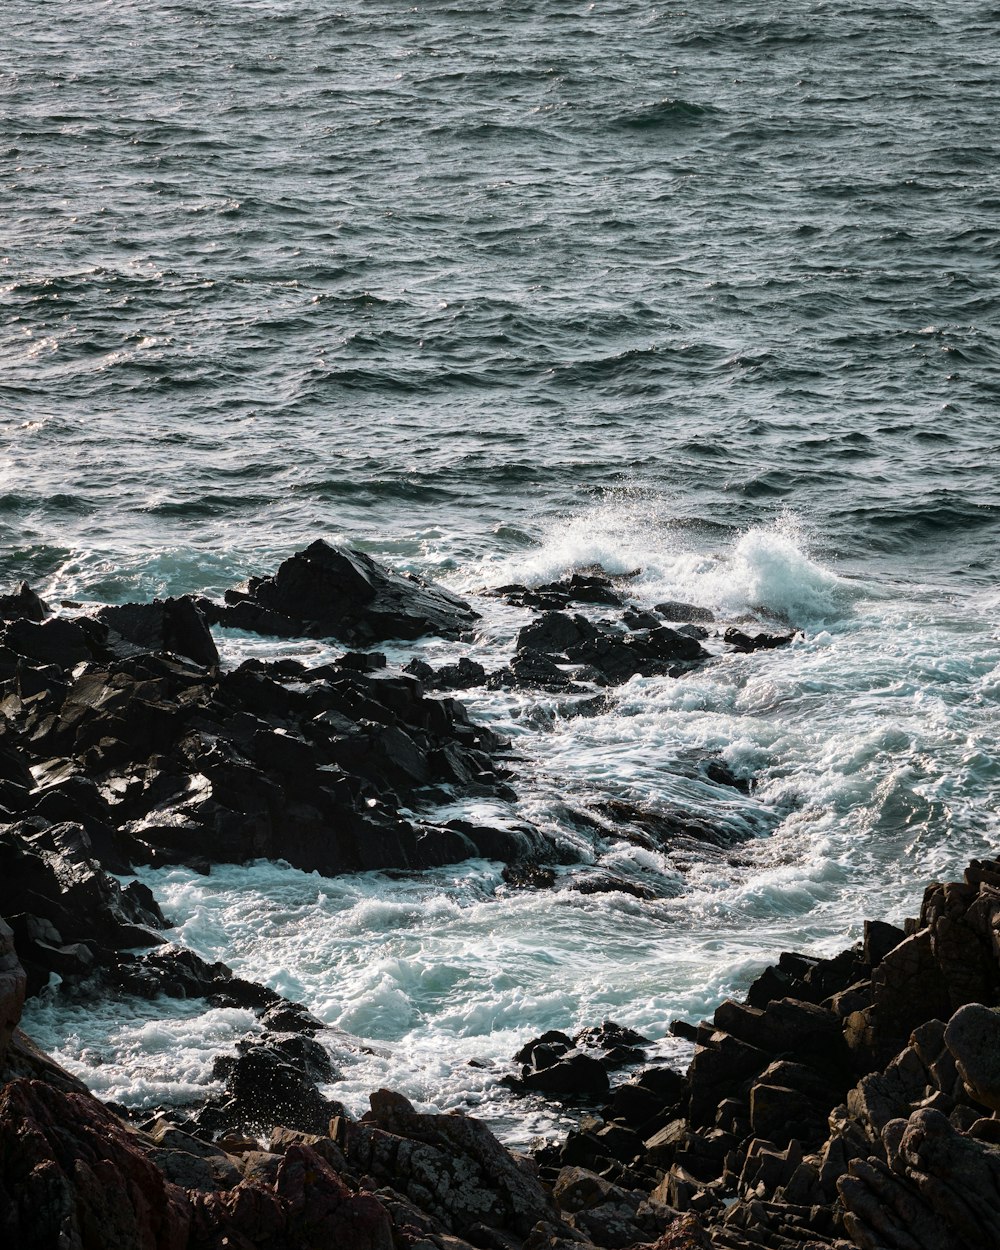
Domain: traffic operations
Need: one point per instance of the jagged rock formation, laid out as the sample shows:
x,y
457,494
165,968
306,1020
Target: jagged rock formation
x,y
335,592
851,1100
848,1101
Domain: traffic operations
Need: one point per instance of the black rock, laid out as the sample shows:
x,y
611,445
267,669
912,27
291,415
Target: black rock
x,y
69,913
462,675
526,876
58,641
763,641
550,1038
173,625
610,1035
555,631
574,1074
605,883
23,602
362,661
634,618
337,592
532,669
269,1083
675,610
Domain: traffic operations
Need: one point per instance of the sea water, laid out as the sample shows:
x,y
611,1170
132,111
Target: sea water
x,y
496,292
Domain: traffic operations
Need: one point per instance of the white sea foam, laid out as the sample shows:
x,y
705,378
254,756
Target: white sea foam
x,y
872,743
766,570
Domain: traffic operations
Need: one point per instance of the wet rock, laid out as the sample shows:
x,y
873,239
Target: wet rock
x,y
272,1082
605,883
595,588
554,1064
58,641
463,675
533,670
337,592
554,632
662,827
23,603
676,610
72,910
287,1017
529,876
12,988
762,641
173,625
163,761
362,661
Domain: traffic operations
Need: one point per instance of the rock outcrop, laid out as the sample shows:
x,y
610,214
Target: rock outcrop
x,y
840,1104
336,592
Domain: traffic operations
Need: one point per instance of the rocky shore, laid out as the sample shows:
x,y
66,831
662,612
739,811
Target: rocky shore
x,y
846,1102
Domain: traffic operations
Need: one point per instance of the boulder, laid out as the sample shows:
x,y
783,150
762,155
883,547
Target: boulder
x,y
173,625
763,641
676,610
973,1038
554,632
450,1166
23,602
58,641
272,1082
338,592
574,1073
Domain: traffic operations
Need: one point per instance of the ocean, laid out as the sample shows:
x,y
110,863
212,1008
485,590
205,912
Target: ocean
x,y
496,292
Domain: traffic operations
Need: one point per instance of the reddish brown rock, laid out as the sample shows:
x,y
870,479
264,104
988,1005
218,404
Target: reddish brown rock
x,y
12,983
73,1175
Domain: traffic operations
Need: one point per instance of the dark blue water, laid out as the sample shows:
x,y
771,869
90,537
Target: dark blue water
x,y
430,276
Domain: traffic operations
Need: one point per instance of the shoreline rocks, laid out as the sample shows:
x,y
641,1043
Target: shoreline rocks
x,y
846,1101
336,592
789,1129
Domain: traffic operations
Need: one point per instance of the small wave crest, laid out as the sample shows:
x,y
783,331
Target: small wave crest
x,y
767,569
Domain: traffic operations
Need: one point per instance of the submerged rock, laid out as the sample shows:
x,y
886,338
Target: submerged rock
x,y
763,641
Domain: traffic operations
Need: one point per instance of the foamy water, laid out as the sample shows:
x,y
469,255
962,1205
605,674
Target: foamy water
x,y
872,742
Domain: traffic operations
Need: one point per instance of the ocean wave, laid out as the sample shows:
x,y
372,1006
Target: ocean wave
x,y
664,114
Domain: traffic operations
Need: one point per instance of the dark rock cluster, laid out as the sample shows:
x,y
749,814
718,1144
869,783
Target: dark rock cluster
x,y
163,758
789,1130
845,1099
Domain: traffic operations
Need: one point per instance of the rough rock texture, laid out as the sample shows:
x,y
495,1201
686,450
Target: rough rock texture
x,y
174,625
785,1132
973,1037
846,1101
834,1106
163,761
23,602
12,985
